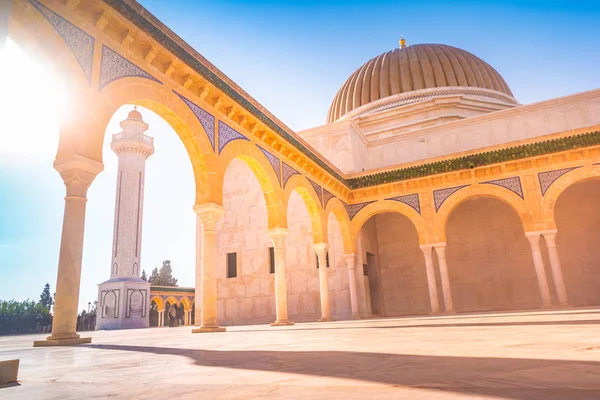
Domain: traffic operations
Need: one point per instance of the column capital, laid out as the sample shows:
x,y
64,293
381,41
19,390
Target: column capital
x,y
278,236
534,239
78,173
321,248
209,214
550,237
350,260
440,245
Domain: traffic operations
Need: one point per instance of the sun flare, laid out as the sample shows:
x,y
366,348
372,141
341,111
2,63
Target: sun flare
x,y
32,101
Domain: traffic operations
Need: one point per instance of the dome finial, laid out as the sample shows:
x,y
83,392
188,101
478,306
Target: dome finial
x,y
402,42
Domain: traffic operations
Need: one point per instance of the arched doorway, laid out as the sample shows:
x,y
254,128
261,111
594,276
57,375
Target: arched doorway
x,y
577,214
489,259
393,265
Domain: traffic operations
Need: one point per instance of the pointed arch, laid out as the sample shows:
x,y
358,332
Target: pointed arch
x,y
383,206
298,183
517,204
335,207
259,164
559,186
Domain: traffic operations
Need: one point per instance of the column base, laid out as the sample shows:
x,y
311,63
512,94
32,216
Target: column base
x,y
281,323
208,329
326,319
50,341
356,317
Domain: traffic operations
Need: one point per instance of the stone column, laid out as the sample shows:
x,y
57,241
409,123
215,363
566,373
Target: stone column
x,y
351,262
321,250
431,284
209,214
278,236
78,172
161,317
538,263
440,249
561,290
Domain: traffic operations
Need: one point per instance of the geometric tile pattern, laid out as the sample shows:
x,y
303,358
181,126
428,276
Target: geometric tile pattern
x,y
327,195
439,196
113,67
318,189
287,172
206,119
411,200
353,209
512,184
274,161
548,178
80,43
227,134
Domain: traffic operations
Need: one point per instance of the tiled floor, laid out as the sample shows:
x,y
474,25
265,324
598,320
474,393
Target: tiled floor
x,y
541,355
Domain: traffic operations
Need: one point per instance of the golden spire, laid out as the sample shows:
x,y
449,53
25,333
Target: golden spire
x,y
402,42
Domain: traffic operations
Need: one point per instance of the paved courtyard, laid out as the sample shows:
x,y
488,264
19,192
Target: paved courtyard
x,y
541,355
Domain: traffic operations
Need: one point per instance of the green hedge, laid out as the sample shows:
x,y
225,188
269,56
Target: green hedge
x,y
18,317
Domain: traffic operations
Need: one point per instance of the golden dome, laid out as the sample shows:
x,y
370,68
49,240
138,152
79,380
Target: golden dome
x,y
412,68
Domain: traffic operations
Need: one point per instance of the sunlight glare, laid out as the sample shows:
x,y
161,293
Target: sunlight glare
x,y
31,103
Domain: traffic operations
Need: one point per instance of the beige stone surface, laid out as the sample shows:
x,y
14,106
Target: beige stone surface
x,y
541,355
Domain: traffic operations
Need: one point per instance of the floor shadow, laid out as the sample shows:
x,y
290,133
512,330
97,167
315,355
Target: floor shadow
x,y
510,378
433,325
11,384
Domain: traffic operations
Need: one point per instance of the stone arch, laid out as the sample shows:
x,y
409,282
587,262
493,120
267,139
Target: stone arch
x,y
383,206
518,205
335,207
160,303
560,186
489,258
577,217
172,300
186,302
264,172
166,104
300,184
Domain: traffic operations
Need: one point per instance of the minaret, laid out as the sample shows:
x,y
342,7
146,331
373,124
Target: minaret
x,y
123,300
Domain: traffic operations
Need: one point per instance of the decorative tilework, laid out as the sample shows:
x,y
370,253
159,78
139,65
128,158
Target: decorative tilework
x,y
513,184
439,196
353,209
411,200
113,66
206,119
288,172
548,178
80,43
227,134
318,189
327,195
274,162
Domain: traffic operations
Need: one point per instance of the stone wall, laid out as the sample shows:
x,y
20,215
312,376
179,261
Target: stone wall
x,y
402,266
577,216
250,297
489,259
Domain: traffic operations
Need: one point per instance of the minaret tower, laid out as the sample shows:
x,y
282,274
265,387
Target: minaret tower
x,y
123,300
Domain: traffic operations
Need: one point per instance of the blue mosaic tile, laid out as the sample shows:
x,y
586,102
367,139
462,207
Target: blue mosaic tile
x,y
227,134
288,172
318,190
411,200
80,43
113,66
548,178
206,119
274,161
512,184
353,209
440,196
327,195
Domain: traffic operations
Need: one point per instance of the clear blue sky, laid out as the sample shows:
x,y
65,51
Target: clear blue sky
x,y
291,57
